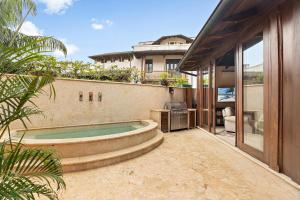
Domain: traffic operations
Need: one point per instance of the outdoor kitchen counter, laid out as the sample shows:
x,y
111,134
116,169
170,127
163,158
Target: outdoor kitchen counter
x,y
163,118
160,110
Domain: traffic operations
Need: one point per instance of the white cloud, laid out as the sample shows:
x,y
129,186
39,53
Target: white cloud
x,y
97,26
29,28
57,6
71,48
109,22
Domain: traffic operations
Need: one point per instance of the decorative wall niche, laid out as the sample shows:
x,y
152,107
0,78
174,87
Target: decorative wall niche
x,y
99,96
80,96
91,96
171,90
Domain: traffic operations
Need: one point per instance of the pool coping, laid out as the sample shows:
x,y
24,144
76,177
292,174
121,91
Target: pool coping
x,y
151,125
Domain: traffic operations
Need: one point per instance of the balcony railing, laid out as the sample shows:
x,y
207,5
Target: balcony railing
x,y
156,75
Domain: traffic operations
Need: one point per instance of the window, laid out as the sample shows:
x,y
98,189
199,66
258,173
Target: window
x,y
149,65
172,64
253,93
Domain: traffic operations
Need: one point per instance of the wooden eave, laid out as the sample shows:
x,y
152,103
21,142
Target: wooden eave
x,y
228,23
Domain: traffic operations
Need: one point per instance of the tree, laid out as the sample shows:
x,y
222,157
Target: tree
x,y
24,173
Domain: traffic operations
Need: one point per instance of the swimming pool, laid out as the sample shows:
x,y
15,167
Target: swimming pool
x,y
85,147
80,131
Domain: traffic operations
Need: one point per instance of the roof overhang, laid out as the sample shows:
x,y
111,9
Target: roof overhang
x,y
107,56
220,34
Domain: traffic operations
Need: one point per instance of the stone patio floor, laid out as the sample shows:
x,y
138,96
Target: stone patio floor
x,y
188,165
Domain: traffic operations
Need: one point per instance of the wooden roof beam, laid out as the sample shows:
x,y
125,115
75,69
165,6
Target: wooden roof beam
x,y
241,16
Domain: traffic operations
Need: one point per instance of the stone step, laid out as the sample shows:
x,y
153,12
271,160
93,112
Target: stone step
x,y
104,159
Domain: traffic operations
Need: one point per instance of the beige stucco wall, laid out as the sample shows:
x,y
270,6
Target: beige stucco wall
x,y
124,64
120,102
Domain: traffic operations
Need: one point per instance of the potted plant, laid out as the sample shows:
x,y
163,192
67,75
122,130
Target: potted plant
x,y
164,79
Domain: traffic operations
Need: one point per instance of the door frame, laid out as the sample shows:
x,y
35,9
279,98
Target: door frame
x,y
261,155
210,95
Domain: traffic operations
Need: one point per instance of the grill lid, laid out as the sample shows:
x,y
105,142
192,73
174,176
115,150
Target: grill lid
x,y
175,106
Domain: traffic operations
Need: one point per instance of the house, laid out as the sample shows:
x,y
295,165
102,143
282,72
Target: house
x,y
151,58
250,50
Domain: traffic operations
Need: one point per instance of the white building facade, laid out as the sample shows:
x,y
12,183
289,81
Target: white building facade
x,y
151,58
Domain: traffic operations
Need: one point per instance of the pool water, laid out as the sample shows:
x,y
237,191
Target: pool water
x,y
80,131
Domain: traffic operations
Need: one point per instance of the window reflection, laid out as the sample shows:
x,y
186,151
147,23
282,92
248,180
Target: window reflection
x,y
253,93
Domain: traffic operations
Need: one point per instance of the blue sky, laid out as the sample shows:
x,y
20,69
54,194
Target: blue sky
x,y
91,27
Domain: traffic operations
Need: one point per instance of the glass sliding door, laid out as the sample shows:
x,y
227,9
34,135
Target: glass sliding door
x,y
205,98
253,93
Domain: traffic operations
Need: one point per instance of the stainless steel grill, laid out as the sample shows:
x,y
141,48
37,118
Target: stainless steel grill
x,y
178,114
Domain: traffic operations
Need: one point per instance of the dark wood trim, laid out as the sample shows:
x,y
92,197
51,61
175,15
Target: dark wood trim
x,y
201,97
280,94
275,66
239,95
198,98
267,92
209,103
241,16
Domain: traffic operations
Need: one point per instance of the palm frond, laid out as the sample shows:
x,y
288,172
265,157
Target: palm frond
x,y
38,43
16,97
25,173
11,11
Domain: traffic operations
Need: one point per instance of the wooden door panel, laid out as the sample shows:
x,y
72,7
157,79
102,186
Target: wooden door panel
x,y
291,90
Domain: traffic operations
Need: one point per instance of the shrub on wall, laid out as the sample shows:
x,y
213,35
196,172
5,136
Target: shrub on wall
x,y
180,81
82,70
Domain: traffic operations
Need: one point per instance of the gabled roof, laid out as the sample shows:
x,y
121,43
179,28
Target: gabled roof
x,y
188,39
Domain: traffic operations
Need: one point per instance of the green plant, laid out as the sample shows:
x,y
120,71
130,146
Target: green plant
x,y
135,75
24,173
180,81
164,79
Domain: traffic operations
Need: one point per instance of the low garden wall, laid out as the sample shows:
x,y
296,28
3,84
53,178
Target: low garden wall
x,y
87,102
